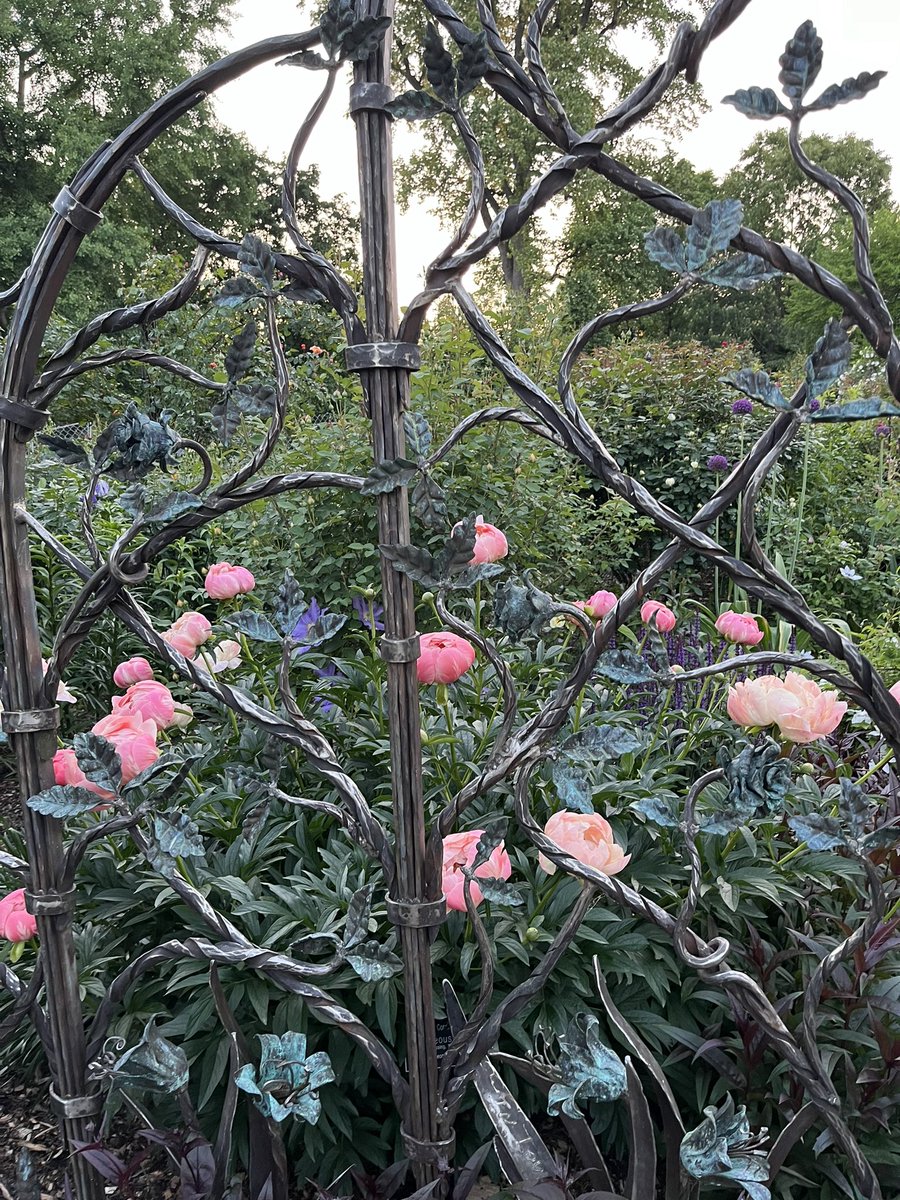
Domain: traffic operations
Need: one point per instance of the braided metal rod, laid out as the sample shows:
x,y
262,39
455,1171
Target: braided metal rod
x,y
476,195
768,658
117,320
277,967
49,385
719,947
482,417
535,66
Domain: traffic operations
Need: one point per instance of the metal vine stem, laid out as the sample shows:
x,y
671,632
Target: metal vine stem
x,y
383,349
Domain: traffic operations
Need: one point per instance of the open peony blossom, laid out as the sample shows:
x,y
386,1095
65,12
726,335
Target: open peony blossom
x,y
224,582
740,628
224,657
818,713
189,632
134,739
63,695
761,701
151,701
601,603
587,837
133,670
653,612
16,923
443,657
460,850
490,542
66,771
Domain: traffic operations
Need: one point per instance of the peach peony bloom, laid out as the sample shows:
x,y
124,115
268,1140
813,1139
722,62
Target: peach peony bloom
x,y
818,713
443,658
66,771
740,628
133,670
659,615
762,701
224,582
190,631
601,603
490,542
460,850
134,739
151,701
587,837
16,923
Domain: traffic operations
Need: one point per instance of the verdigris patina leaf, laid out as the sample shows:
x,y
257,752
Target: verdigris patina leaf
x,y
586,1069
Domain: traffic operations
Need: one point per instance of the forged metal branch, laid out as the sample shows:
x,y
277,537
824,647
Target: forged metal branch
x,y
9,862
719,946
482,417
768,658
25,1003
49,385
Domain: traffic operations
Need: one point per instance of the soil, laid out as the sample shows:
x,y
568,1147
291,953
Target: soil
x,y
10,807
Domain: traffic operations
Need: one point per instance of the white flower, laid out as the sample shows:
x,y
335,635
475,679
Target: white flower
x,y
225,657
63,695
670,482
184,714
849,573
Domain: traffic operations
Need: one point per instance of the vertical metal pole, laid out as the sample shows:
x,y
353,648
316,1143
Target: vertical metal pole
x,y
387,394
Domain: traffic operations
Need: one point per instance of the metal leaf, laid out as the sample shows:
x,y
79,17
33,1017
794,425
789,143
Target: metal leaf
x,y
356,927
418,433
476,574
711,230
572,786
240,353
389,475
429,502
178,836
99,760
133,499
236,291
660,812
760,104
67,452
372,961
226,417
290,603
322,630
459,547
743,272
641,1179
758,779
857,410
439,67
818,831
586,1068
63,801
253,625
257,260
474,63
800,63
623,666
255,399
665,246
829,360
758,386
521,608
155,1064
418,564
414,106
363,38
500,891
306,58
853,807
604,741
169,507
853,88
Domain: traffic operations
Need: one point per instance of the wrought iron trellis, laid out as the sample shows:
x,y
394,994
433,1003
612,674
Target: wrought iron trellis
x,y
383,349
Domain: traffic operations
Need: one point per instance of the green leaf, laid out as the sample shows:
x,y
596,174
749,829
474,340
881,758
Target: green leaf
x,y
178,836
743,272
573,786
418,564
818,831
856,410
800,63
758,386
172,506
587,1069
363,38
605,741
356,927
236,291
253,625
99,760
372,961
439,66
414,106
63,801
389,475
660,812
418,433
67,452
850,89
623,666
760,104
257,260
711,230
665,246
829,360
429,502
500,891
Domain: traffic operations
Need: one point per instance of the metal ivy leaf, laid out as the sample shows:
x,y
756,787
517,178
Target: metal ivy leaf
x,y
373,962
132,500
418,433
856,410
414,106
850,89
743,272
572,786
63,801
178,836
664,246
363,38
711,230
99,760
476,574
175,504
818,831
586,1069
521,609
490,840
257,260
226,417
388,475
760,104
439,67
660,812
474,63
500,891
800,63
829,360
623,666
356,927
758,386
255,399
853,806
154,1065
459,547
605,741
67,452
429,502
322,629
314,943
419,565
306,58
722,1150
334,24
236,291
287,1082
290,603
758,779
254,626
240,353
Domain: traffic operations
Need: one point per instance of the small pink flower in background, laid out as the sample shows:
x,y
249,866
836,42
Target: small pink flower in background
x,y
602,603
460,850
66,771
490,542
818,713
134,739
895,691
63,695
184,714
653,612
187,633
224,582
587,837
444,657
762,701
133,670
16,922
315,350
740,628
224,657
151,701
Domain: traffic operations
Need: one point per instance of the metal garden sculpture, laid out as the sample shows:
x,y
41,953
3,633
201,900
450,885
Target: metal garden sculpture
x,y
715,250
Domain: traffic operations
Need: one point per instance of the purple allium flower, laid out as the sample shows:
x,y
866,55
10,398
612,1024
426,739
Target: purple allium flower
x,y
301,630
717,463
882,430
361,608
742,407
814,405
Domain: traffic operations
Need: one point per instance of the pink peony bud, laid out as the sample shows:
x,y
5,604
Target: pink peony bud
x,y
16,923
134,739
490,542
602,603
659,615
443,658
460,850
133,670
587,837
151,701
187,633
224,582
740,628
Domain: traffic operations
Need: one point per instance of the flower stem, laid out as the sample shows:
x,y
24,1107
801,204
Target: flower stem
x,y
801,504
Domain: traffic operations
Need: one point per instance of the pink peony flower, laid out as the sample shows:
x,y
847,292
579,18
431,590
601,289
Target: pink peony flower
x,y
460,850
190,631
762,701
133,670
895,691
66,771
602,603
818,713
740,628
16,922
443,658
490,542
181,642
151,701
224,582
134,739
659,615
587,837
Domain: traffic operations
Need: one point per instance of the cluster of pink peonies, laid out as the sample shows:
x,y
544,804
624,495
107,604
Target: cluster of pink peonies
x,y
16,923
797,705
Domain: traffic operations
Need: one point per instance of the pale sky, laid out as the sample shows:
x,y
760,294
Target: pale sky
x,y
269,104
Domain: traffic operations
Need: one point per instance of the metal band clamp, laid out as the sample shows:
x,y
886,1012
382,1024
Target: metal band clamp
x,y
78,215
29,720
429,1152
50,904
73,1107
369,97
28,419
417,914
369,356
400,650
